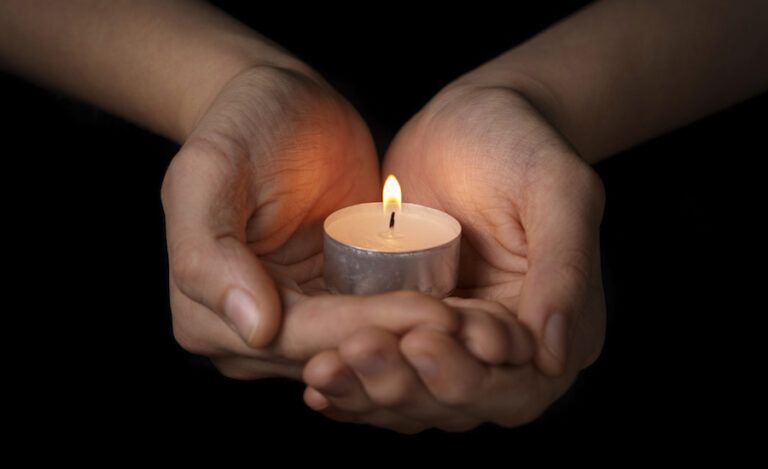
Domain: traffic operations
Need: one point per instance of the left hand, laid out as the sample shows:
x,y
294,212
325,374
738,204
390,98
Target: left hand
x,y
530,209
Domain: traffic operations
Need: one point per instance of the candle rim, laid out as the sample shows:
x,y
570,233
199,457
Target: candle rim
x,y
451,219
408,253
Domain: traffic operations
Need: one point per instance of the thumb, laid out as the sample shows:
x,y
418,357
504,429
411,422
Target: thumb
x,y
564,253
209,259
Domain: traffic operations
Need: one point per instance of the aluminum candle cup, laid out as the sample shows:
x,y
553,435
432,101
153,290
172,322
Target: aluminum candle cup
x,y
364,255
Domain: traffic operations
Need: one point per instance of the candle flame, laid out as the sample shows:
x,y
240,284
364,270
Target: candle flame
x,y
391,196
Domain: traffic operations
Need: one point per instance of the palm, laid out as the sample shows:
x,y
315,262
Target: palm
x,y
459,176
489,159
493,261
529,209
244,198
301,152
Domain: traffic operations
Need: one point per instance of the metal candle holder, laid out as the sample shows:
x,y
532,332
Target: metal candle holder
x,y
353,270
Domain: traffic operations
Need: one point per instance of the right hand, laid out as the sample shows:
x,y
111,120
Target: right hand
x,y
244,200
530,209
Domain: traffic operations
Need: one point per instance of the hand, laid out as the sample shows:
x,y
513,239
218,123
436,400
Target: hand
x,y
245,199
530,210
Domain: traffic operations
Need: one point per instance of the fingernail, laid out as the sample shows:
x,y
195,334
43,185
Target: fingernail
x,y
240,310
339,386
371,364
556,336
425,365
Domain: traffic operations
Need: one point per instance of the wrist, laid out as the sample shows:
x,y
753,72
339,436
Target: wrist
x,y
538,92
487,105
201,90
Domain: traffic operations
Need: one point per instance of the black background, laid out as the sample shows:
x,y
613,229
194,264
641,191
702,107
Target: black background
x,y
85,214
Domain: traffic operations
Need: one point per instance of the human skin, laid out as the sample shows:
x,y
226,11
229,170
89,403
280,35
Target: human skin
x,y
530,209
245,199
505,149
264,138
243,218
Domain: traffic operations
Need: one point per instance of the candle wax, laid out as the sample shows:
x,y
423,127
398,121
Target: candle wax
x,y
416,228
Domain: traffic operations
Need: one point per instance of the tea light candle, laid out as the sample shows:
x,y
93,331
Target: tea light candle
x,y
378,247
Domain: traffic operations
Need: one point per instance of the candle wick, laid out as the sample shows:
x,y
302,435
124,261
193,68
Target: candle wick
x,y
392,221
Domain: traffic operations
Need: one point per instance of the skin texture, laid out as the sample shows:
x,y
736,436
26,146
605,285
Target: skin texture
x,y
619,72
245,199
497,149
504,149
531,209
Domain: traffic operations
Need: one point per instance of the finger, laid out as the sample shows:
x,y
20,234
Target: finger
x,y
200,331
491,332
315,399
562,226
453,376
336,383
506,395
389,381
334,391
379,417
515,396
205,209
314,324
244,368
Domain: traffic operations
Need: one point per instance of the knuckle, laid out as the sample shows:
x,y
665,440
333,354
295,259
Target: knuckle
x,y
443,317
419,342
493,339
454,391
435,313
187,265
364,345
323,368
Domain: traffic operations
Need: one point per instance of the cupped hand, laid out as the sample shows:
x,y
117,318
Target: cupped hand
x,y
530,209
275,152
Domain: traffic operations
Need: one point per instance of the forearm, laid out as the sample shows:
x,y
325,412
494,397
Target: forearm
x,y
156,63
620,72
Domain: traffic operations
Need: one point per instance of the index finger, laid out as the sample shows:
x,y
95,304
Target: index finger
x,y
314,324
